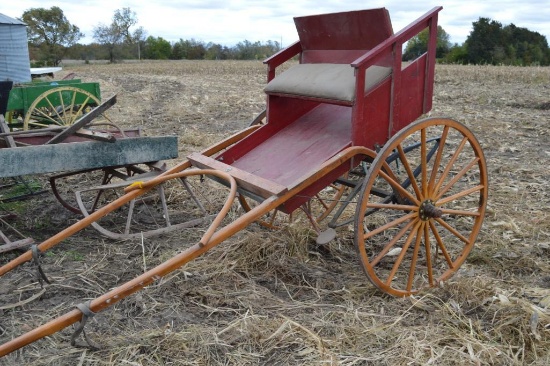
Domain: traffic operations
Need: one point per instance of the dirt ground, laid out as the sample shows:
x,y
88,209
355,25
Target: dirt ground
x,y
273,297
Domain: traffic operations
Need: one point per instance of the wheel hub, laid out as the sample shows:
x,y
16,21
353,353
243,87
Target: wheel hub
x,y
428,211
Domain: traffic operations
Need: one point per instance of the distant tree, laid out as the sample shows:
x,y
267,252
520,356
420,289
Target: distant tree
x,y
215,51
189,49
157,48
88,52
491,43
526,47
178,50
124,19
418,44
485,41
458,54
118,32
139,37
108,36
51,32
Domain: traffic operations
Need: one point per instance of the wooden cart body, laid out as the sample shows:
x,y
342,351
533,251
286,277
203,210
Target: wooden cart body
x,y
350,88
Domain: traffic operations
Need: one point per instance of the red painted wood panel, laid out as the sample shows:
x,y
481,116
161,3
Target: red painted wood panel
x,y
371,122
412,94
300,147
353,30
281,112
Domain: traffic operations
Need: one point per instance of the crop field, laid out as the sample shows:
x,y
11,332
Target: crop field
x,y
273,296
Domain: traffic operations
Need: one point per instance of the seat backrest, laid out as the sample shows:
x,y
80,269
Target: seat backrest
x,y
342,37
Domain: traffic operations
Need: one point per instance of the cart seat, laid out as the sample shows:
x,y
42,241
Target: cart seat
x,y
324,81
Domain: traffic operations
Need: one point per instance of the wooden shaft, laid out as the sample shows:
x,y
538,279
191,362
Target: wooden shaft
x,y
137,283
193,252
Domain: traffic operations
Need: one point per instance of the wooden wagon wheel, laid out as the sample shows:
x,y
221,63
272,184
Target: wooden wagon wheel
x,y
60,106
420,231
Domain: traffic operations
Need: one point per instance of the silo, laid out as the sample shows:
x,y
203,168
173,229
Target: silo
x,y
14,50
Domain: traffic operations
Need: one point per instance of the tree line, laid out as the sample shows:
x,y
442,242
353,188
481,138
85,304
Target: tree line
x,y
489,43
52,37
157,48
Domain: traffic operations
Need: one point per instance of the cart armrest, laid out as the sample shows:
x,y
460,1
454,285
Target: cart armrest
x,y
388,53
280,57
383,49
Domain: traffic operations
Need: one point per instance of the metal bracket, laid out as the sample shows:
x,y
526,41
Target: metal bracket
x,y
87,314
40,275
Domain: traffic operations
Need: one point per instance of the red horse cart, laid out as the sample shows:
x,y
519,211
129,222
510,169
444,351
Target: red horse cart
x,y
340,141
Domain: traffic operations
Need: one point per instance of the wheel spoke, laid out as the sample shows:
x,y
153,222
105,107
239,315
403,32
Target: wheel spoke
x,y
401,256
325,206
415,256
460,194
448,211
452,230
399,188
80,109
457,177
389,225
391,206
387,169
392,243
441,245
52,108
48,117
450,164
73,100
62,106
427,246
423,163
38,124
437,160
410,174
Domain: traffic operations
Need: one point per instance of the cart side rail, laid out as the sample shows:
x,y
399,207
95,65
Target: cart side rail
x,y
281,57
399,38
389,53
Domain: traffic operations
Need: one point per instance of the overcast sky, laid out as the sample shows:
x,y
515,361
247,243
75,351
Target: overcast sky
x,y
228,21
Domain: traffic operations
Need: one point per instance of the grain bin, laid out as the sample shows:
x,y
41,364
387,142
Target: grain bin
x,y
14,50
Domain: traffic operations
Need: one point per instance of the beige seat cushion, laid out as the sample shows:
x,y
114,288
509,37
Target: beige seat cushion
x,y
327,81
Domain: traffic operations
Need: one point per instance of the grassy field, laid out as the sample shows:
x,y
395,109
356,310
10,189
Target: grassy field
x,y
266,297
